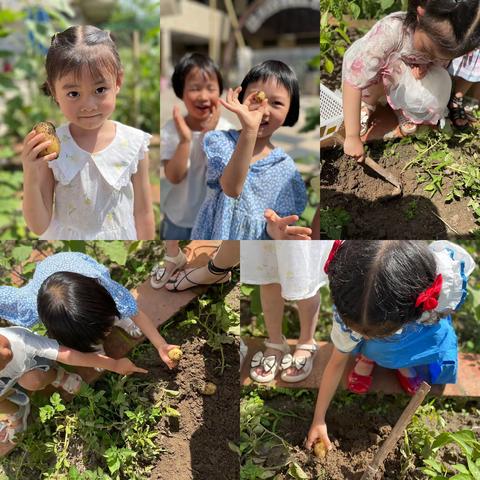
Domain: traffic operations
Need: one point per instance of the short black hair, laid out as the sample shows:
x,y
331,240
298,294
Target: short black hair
x,y
285,76
76,310
374,284
187,63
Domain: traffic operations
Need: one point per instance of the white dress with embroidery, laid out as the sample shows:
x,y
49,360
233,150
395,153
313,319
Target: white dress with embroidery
x,y
297,265
94,191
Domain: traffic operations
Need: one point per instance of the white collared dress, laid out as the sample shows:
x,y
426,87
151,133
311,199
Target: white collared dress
x,y
94,191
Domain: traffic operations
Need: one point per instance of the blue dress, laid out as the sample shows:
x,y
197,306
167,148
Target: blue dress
x,y
272,182
430,343
19,305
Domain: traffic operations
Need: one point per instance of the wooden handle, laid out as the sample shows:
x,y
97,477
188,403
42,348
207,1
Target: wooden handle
x,y
396,432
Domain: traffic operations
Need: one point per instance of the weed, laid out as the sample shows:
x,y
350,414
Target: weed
x,y
411,210
332,221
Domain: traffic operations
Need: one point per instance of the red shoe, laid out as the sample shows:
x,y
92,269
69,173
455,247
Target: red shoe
x,y
409,384
360,383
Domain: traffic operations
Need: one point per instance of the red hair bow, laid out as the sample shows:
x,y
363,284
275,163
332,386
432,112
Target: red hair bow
x,y
428,299
336,245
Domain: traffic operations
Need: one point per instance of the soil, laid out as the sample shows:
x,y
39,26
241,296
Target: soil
x,y
375,215
356,434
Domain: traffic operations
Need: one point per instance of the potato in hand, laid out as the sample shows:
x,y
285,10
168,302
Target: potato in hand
x,y
48,129
175,354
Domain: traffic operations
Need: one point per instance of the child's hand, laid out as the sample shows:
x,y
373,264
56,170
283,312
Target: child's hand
x,y
33,144
353,147
318,432
419,71
183,130
278,228
250,112
124,366
163,352
212,120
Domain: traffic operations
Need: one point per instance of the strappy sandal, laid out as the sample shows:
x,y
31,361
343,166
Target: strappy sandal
x,y
159,276
357,383
366,111
456,112
70,382
13,423
406,126
129,326
224,273
269,364
304,365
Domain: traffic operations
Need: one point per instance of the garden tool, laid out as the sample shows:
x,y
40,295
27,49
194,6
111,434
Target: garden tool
x,y
331,120
396,432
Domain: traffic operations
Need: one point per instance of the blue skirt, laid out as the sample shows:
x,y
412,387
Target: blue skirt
x,y
433,347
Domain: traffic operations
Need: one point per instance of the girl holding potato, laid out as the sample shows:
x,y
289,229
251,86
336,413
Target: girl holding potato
x,y
393,302
96,186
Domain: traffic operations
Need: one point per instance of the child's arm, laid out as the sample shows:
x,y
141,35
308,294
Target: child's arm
x,y
328,385
149,330
250,114
123,366
352,98
142,202
38,183
176,168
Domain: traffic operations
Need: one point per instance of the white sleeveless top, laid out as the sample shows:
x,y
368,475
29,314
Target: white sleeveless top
x,y
94,191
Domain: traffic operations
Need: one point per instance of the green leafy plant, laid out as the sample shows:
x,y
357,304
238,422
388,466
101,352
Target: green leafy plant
x,y
332,221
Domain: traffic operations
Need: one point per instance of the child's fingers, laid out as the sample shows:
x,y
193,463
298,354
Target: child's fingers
x,y
34,140
227,105
49,157
35,151
302,232
29,136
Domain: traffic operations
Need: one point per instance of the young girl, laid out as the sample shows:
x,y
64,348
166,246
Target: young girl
x,y
78,302
98,187
246,174
27,359
402,58
285,271
197,81
393,304
466,78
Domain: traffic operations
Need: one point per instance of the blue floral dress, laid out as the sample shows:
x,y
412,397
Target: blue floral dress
x,y
19,305
430,343
272,182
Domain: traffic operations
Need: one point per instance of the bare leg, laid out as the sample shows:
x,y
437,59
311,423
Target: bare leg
x,y
308,310
272,306
7,409
227,256
37,379
460,88
375,92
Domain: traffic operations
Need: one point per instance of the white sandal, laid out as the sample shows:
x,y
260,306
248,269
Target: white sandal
x,y
13,423
269,364
159,276
302,364
129,326
403,121
366,111
71,384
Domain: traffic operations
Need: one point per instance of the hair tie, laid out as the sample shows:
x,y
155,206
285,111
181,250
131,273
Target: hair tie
x,y
428,299
336,246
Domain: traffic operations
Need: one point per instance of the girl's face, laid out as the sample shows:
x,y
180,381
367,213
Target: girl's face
x,y
277,108
200,94
85,101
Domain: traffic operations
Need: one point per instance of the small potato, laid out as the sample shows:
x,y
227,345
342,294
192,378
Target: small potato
x,y
260,96
175,354
320,450
209,389
48,129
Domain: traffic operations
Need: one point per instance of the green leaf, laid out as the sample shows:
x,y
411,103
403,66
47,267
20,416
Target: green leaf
x,y
386,4
328,64
297,472
114,250
21,253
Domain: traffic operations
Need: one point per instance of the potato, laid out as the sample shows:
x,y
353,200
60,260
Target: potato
x,y
320,450
48,129
260,96
175,354
209,389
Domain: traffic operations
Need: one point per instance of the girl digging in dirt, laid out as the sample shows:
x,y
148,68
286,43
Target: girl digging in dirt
x,y
392,306
78,302
246,174
402,58
98,187
466,78
27,359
